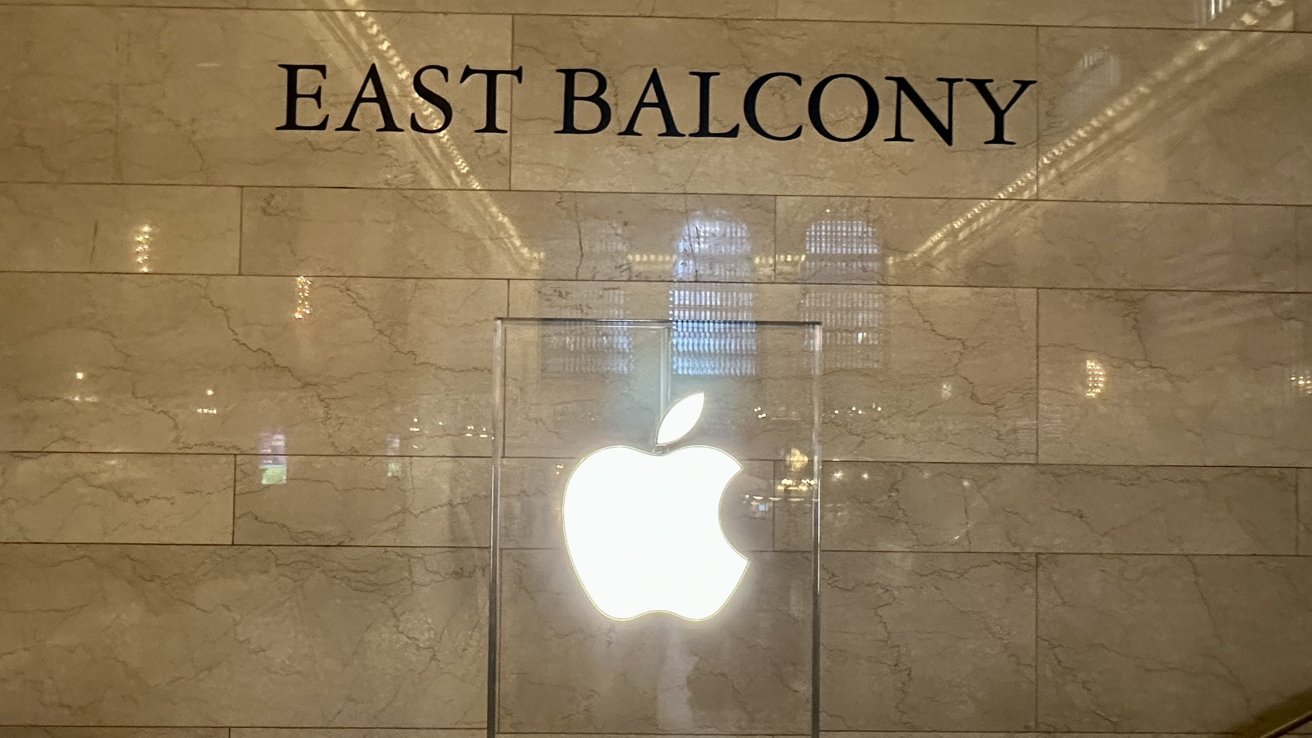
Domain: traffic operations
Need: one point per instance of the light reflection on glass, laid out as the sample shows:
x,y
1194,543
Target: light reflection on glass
x,y
713,247
851,318
588,349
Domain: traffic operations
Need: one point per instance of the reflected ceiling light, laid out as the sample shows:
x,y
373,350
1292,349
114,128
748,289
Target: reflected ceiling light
x,y
643,529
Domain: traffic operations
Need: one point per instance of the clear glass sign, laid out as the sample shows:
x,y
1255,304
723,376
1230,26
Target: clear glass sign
x,y
650,480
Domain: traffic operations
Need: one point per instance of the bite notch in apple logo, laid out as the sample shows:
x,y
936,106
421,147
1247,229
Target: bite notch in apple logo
x,y
643,529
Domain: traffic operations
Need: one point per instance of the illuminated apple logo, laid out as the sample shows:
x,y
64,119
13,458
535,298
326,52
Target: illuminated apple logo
x,y
643,530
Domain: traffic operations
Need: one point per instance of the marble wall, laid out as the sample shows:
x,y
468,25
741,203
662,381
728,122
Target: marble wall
x,y
245,374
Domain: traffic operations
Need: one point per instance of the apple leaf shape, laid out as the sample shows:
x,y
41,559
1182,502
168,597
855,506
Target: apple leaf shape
x,y
680,418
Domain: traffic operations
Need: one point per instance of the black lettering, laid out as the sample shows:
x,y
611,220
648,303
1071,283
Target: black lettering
x,y
749,106
817,119
661,103
379,98
433,98
572,99
293,95
1000,112
492,75
704,109
904,89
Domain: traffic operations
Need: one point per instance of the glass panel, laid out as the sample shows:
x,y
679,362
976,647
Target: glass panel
x,y
642,587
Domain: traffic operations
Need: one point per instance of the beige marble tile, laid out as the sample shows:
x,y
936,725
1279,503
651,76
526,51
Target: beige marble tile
x,y
132,635
532,491
524,235
1174,378
566,668
166,96
1037,244
1064,509
1305,512
115,498
920,373
353,733
363,501
1168,643
1151,116
101,228
63,106
903,630
128,363
113,733
1161,13
626,51
1302,15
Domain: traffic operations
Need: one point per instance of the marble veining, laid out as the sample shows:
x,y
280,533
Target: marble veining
x,y
1050,508
1174,378
160,635
255,365
115,498
1123,639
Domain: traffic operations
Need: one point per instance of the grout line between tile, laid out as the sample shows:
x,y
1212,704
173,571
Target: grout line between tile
x,y
791,551
689,193
666,282
531,457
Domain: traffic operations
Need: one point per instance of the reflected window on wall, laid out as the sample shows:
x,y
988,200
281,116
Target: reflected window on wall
x,y
851,316
839,249
587,349
1089,87
273,458
713,248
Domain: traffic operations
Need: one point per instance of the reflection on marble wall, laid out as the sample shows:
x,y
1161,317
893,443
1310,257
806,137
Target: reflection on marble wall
x,y
102,228
1057,509
1208,110
224,364
917,373
1174,378
245,374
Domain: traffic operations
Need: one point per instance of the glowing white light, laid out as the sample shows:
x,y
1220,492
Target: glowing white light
x,y
643,530
680,419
